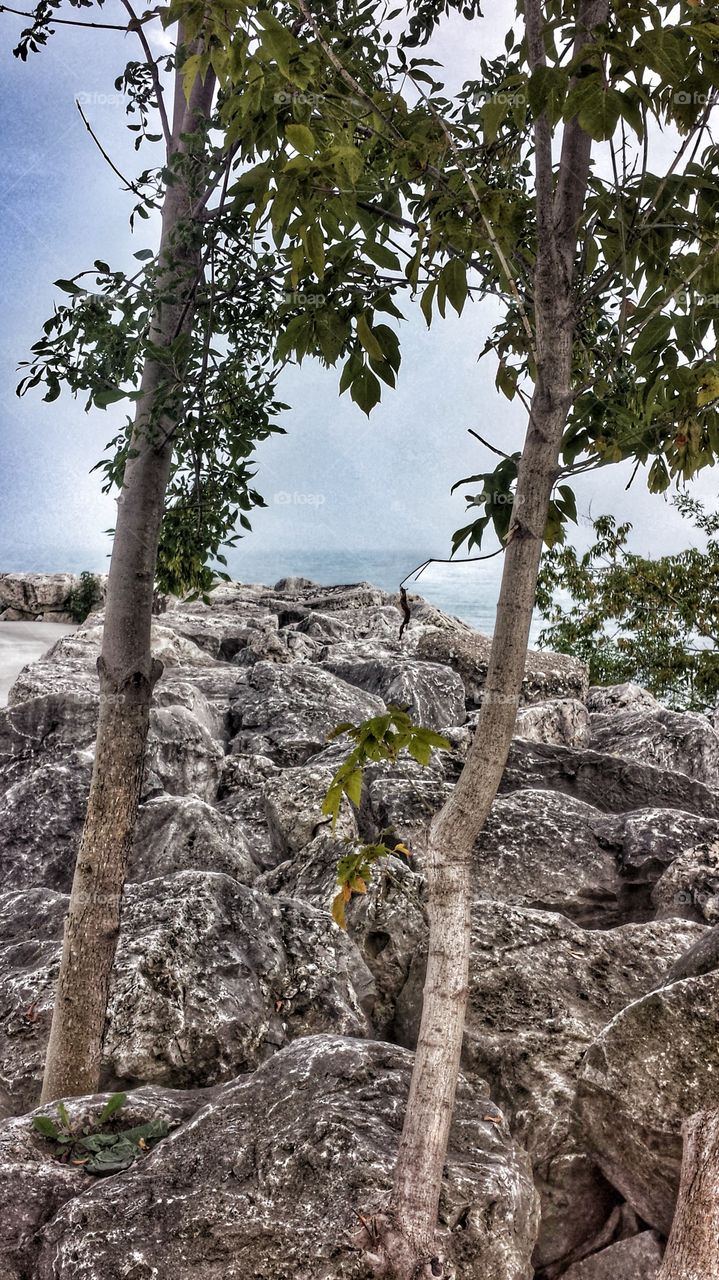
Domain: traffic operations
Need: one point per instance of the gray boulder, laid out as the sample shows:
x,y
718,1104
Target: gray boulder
x,y
287,712
541,990
33,596
561,720
293,806
548,675
210,978
181,757
690,885
683,742
34,1185
648,1070
183,833
602,699
434,694
41,819
637,1258
266,1180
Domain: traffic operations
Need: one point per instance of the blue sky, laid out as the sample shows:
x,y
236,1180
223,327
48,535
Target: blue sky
x,y
336,480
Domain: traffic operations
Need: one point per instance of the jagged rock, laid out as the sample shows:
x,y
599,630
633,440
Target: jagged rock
x,y
388,922
297,584
181,757
548,675
620,697
210,978
649,1069
33,1185
244,784
702,957
265,1182
690,886
33,596
541,990
183,833
434,694
561,720
41,819
610,782
293,805
638,1258
684,742
287,712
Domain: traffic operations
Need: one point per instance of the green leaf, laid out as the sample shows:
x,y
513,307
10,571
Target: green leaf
x,y
45,1126
112,1105
301,138
110,395
368,339
454,278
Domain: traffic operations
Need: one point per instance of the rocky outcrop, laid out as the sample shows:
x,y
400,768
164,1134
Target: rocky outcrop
x,y
39,597
653,1066
592,981
267,1179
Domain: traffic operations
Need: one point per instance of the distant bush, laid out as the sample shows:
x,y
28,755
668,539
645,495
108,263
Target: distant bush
x,y
85,597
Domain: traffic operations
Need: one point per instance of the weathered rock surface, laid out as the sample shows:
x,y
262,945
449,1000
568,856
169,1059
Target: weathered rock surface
x,y
548,675
649,1069
541,990
690,885
265,1181
637,1258
38,596
680,741
210,979
33,1185
564,721
433,694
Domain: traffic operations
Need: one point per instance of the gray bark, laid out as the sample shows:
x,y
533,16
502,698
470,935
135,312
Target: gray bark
x,y
404,1242
126,669
693,1249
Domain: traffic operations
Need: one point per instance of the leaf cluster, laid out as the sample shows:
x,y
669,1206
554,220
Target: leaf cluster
x,y
94,1151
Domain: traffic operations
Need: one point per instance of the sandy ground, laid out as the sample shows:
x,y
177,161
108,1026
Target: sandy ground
x,y
23,642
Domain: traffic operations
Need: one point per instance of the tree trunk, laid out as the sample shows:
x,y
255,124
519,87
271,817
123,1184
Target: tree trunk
x,y
126,669
693,1248
404,1243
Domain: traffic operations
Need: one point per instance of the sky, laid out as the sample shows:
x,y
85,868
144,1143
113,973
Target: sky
x,y
337,480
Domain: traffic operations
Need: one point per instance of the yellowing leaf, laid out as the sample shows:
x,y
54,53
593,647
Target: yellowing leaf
x,y
338,911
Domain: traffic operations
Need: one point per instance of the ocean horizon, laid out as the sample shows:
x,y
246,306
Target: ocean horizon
x,y
466,590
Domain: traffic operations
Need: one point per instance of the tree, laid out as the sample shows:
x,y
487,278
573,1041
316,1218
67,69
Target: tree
x,y
693,1249
603,341
663,614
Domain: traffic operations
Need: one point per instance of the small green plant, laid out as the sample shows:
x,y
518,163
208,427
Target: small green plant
x,y
85,597
92,1150
380,738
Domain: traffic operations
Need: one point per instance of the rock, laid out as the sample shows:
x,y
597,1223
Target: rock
x,y
609,782
41,820
297,584
181,757
245,782
388,923
541,990
287,712
638,1258
548,675
620,697
183,833
561,720
210,978
37,596
648,1070
702,957
433,694
690,886
33,1185
548,851
293,805
265,1181
683,742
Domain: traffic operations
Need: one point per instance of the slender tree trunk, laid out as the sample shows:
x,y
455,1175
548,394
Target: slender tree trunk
x,y
693,1248
404,1243
126,669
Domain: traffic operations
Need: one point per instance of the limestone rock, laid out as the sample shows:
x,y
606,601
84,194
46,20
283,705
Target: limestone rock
x,y
31,596
210,978
602,699
183,833
293,805
434,694
684,742
548,675
637,1258
287,712
181,757
561,720
541,991
33,1185
649,1069
264,1183
41,819
690,885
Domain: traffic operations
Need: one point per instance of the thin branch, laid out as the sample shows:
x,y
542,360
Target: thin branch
x,y
420,568
131,186
74,22
499,452
136,25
